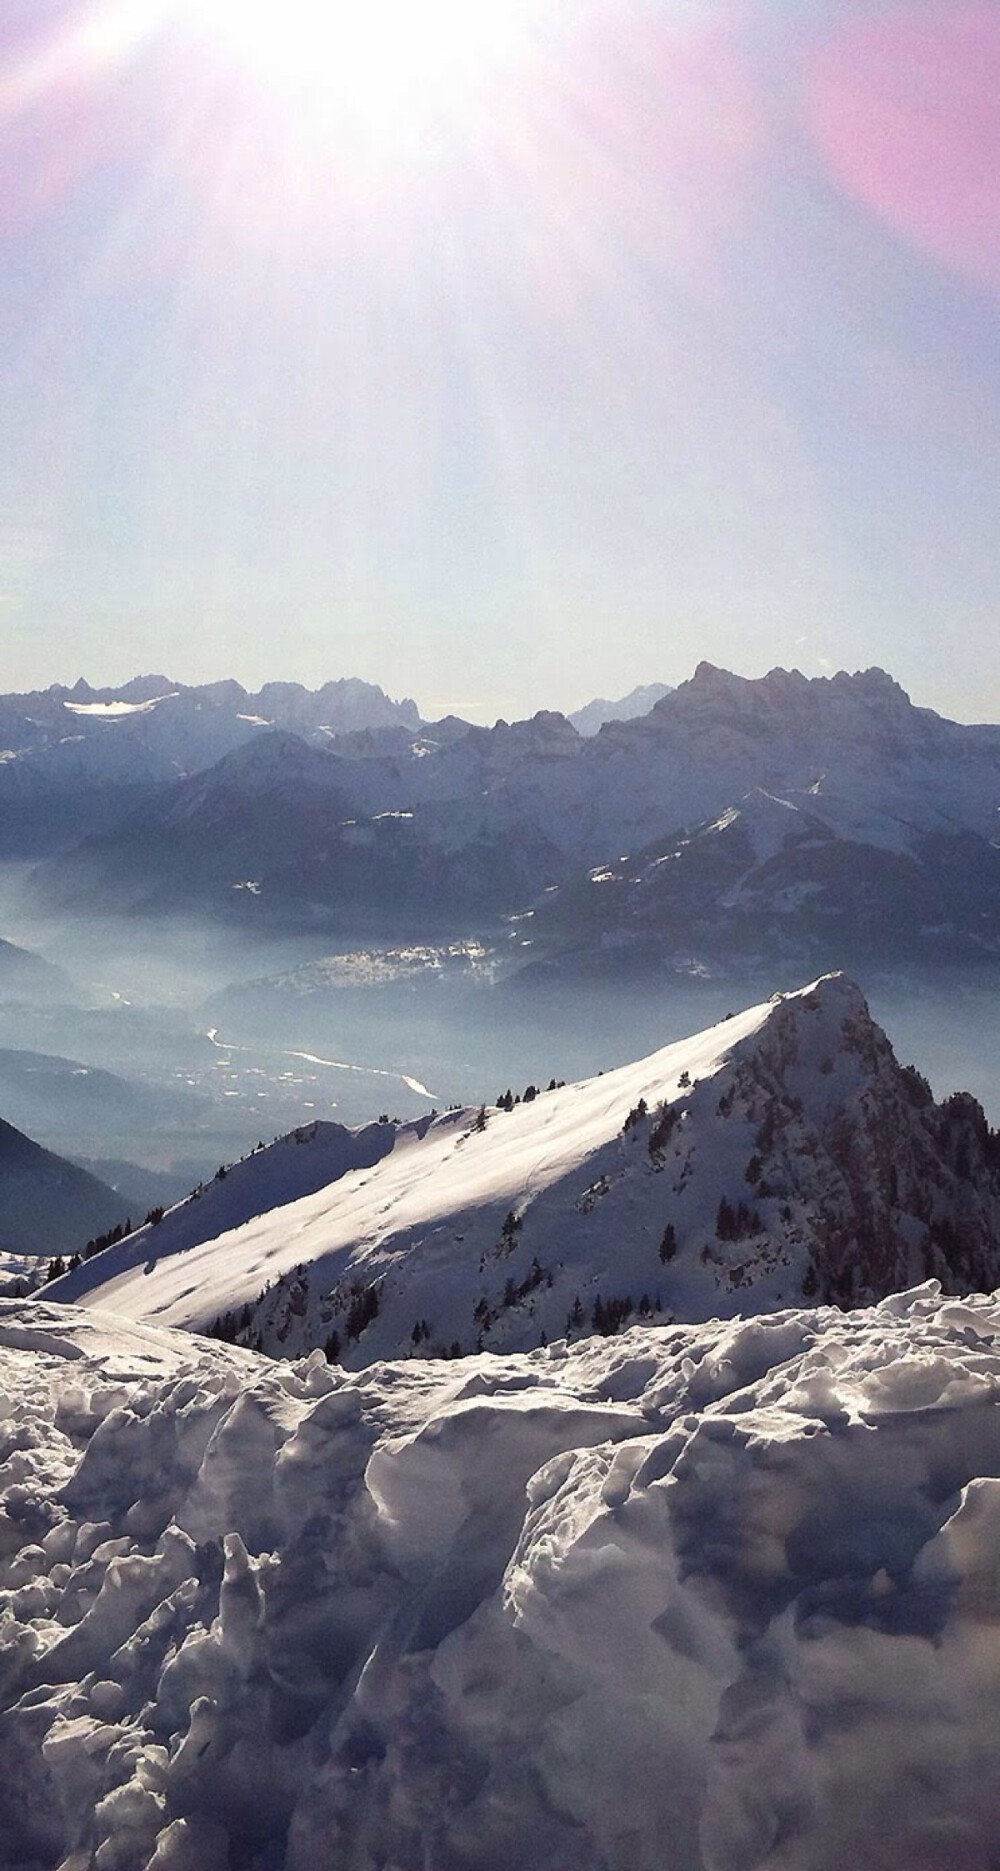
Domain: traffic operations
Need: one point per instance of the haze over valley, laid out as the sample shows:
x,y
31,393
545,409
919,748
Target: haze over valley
x,y
391,944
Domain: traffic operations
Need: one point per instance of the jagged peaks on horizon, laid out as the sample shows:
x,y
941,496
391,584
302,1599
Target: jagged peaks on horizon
x,y
708,679
892,806
780,684
152,687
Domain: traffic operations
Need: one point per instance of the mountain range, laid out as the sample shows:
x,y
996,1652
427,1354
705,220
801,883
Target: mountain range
x,y
814,821
781,1155
75,760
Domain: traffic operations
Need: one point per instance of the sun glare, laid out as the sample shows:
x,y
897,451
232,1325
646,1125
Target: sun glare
x,y
370,60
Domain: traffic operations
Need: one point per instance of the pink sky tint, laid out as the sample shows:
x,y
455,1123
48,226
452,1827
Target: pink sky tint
x,y
906,109
64,116
647,140
49,139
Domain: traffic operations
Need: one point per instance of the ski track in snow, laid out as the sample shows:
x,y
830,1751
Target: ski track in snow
x,y
718,1597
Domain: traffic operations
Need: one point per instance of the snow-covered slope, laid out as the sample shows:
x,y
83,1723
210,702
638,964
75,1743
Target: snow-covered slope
x,y
310,1158
434,832
805,874
782,1152
712,1598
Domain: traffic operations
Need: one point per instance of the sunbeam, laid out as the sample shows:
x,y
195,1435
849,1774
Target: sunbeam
x,y
381,67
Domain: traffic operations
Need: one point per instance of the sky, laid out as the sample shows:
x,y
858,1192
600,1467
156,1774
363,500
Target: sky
x,y
505,355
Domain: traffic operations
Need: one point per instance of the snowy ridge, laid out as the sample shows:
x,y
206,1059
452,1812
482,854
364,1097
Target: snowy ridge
x,y
783,1153
729,1586
312,1157
75,761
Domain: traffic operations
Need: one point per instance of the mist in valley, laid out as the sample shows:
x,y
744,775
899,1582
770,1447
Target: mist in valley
x,y
171,1046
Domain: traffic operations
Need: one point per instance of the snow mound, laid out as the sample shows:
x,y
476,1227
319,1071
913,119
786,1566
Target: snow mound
x,y
722,1592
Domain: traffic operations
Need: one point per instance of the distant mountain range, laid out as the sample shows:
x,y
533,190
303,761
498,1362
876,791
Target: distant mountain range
x,y
781,1155
815,821
76,1106
75,760
592,717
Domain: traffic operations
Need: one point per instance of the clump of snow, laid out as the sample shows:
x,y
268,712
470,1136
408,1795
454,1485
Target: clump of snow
x,y
716,1596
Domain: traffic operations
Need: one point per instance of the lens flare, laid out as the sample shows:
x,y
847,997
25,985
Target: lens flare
x,y
375,61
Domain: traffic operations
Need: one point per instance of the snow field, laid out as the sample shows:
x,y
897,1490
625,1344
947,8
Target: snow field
x,y
714,1598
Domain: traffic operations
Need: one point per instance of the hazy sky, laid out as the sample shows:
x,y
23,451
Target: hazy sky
x,y
504,369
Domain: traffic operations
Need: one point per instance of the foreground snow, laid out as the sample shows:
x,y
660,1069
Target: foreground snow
x,y
710,1597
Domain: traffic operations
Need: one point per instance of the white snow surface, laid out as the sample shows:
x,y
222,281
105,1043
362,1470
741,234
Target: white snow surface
x,y
719,1597
116,711
312,1157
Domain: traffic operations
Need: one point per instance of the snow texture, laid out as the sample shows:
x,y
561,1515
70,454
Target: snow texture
x,y
719,1597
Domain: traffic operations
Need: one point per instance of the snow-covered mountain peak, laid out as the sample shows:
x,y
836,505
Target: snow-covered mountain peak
x,y
479,822
781,1153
